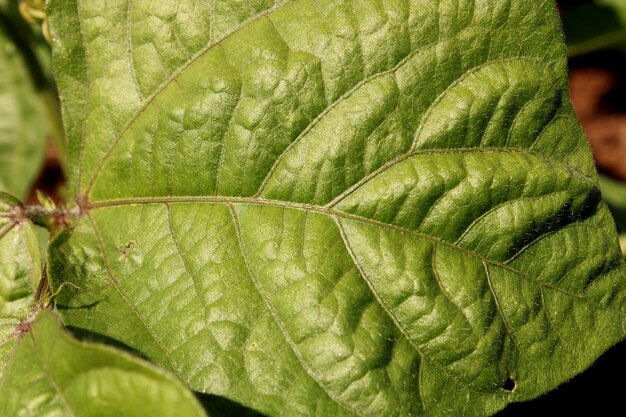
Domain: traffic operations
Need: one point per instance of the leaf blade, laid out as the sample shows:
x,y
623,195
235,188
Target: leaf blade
x,y
243,210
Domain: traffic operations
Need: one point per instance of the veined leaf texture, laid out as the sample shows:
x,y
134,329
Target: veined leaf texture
x,y
334,208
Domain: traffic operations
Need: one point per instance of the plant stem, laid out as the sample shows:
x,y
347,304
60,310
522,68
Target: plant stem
x,y
55,220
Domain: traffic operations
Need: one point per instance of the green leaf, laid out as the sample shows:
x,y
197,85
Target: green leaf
x,y
614,193
23,123
369,208
50,373
20,261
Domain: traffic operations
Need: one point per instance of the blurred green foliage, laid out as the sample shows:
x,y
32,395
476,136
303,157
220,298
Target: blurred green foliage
x,y
596,25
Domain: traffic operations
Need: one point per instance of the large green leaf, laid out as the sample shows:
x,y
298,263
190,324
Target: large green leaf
x,y
372,208
48,373
23,122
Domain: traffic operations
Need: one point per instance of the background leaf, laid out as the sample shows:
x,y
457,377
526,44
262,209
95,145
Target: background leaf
x,y
23,118
595,26
375,208
614,193
49,373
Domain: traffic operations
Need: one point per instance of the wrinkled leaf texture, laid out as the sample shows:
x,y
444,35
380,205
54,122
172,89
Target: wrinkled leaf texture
x,y
332,208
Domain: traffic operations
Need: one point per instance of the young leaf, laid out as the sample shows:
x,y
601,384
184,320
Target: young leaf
x,y
50,373
23,127
335,208
20,262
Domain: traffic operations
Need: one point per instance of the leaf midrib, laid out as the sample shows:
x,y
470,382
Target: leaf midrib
x,y
331,212
329,208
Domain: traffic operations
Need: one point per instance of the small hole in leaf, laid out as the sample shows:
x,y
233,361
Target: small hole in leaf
x,y
509,384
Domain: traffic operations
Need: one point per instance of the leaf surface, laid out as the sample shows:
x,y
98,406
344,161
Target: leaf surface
x,y
374,208
50,373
